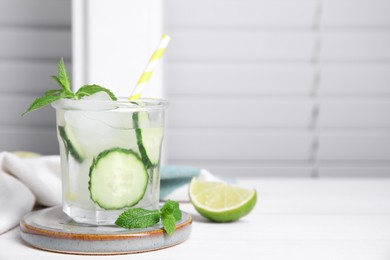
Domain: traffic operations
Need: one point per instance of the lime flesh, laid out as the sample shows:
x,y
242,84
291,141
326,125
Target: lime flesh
x,y
221,202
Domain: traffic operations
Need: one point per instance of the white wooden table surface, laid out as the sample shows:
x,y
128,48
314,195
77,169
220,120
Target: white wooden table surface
x,y
293,219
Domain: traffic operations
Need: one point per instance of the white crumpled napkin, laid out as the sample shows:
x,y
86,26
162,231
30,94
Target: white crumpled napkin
x,y
25,181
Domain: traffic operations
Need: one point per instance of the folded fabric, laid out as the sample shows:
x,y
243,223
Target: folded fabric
x,y
25,181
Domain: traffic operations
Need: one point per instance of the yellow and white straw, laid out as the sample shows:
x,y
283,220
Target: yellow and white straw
x,y
158,53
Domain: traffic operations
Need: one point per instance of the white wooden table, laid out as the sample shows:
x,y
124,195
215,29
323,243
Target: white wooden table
x,y
293,219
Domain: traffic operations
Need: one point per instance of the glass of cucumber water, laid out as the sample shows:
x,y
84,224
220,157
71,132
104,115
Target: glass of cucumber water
x,y
110,156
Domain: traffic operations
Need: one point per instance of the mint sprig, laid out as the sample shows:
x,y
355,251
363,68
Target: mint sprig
x,y
138,218
169,214
65,91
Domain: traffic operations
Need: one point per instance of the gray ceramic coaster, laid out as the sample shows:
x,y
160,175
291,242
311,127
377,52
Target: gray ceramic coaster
x,y
51,229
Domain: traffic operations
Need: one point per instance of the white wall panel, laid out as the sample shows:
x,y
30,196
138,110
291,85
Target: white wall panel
x,y
44,13
355,80
363,14
238,80
15,105
239,113
28,77
239,145
22,43
355,45
357,113
239,14
261,171
355,171
243,45
350,147
37,139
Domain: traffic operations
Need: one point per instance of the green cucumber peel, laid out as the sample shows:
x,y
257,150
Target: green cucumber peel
x,y
71,144
138,132
149,140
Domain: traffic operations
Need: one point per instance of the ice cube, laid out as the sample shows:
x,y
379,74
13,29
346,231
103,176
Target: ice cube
x,y
100,130
101,96
97,101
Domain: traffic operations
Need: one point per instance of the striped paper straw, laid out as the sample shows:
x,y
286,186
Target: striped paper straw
x,y
158,53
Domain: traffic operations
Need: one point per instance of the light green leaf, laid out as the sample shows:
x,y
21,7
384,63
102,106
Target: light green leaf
x,y
88,90
169,223
53,92
171,208
67,94
167,208
57,80
49,97
138,218
176,211
63,77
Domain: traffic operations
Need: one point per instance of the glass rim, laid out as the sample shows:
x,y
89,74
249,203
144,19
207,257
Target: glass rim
x,y
142,104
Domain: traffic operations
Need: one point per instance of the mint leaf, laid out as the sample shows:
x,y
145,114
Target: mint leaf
x,y
141,218
63,77
171,208
53,92
169,223
138,218
170,213
49,97
167,208
57,80
67,94
87,90
176,211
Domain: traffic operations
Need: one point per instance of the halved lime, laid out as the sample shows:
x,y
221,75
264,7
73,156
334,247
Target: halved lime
x,y
221,202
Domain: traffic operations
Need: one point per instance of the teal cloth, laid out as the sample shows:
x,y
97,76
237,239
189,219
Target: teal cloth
x,y
173,177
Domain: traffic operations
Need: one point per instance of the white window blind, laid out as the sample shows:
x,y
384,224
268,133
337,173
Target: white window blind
x,y
279,88
33,36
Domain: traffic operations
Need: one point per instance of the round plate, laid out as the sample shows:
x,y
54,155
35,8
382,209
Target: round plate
x,y
51,229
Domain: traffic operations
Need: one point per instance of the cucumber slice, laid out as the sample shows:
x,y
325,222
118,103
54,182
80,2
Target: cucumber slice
x,y
149,139
71,143
117,179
